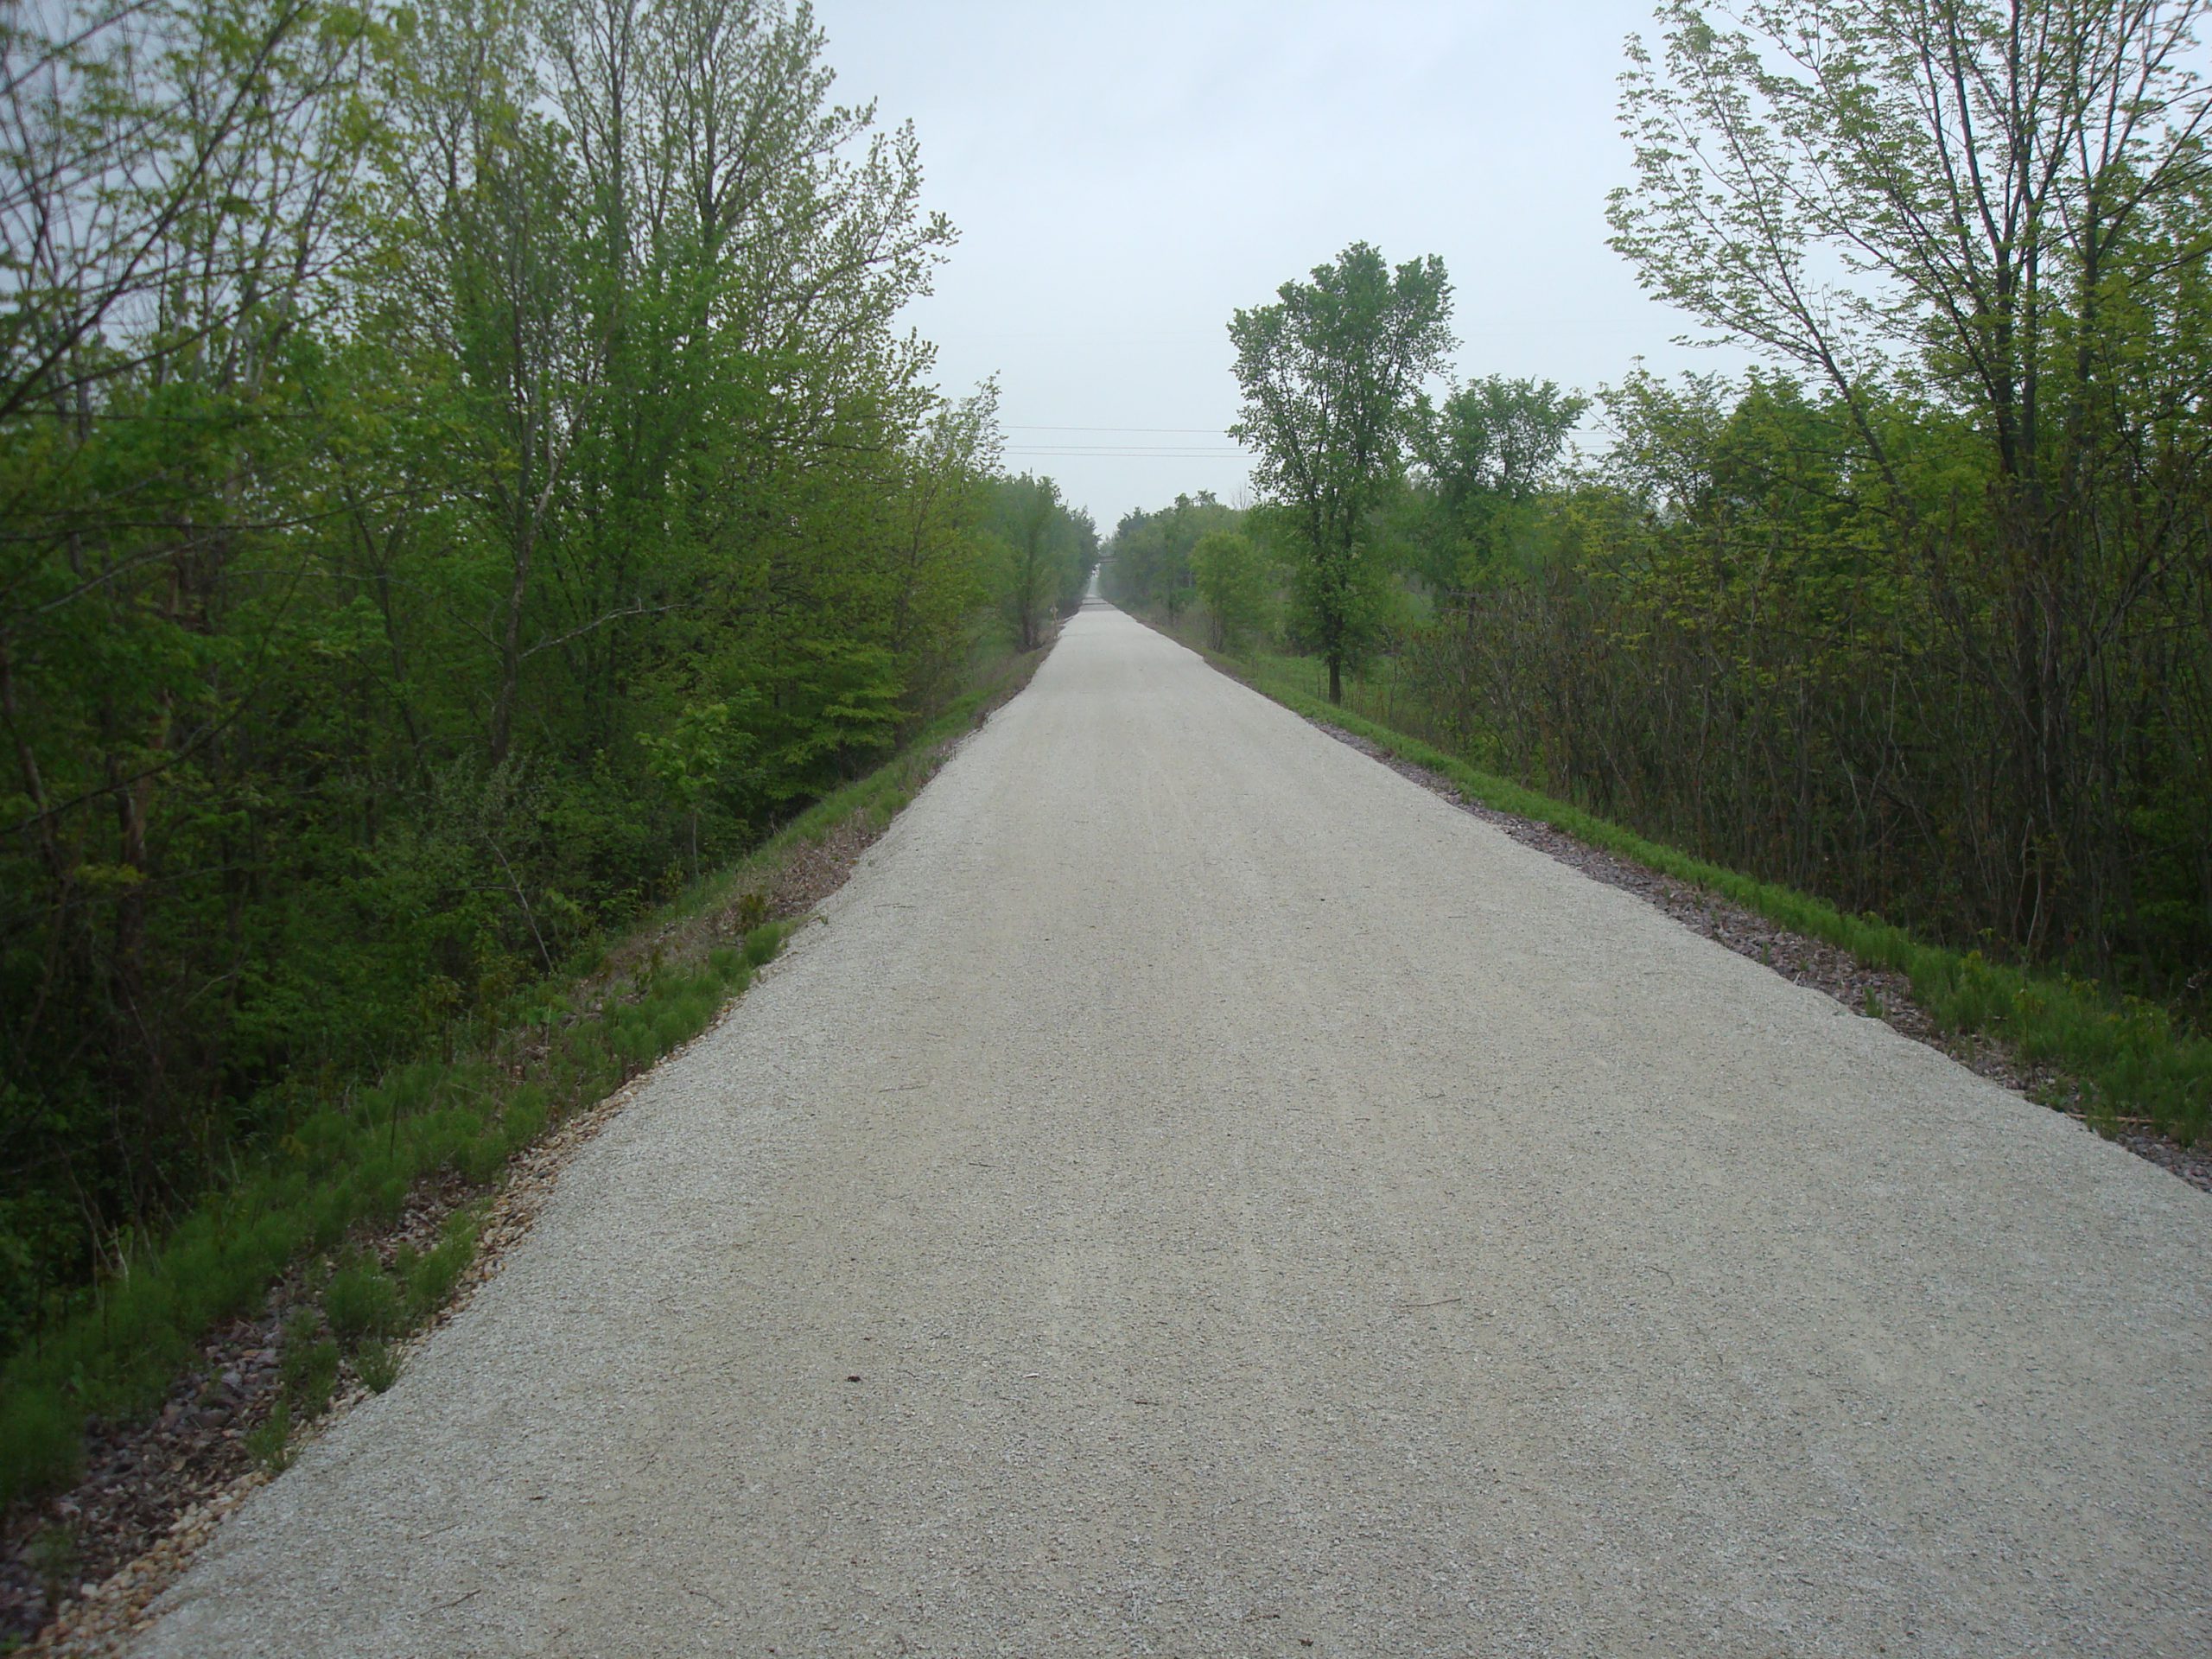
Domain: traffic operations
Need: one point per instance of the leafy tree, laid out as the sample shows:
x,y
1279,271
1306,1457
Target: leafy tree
x,y
464,468
688,760
1485,456
1151,566
1046,552
1331,374
1231,580
1997,206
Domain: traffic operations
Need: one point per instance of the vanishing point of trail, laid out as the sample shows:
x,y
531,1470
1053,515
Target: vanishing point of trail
x,y
1196,1193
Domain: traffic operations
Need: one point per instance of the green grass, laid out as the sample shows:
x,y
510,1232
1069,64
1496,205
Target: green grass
x,y
269,1443
2127,1055
363,1302
348,1166
376,1365
429,1278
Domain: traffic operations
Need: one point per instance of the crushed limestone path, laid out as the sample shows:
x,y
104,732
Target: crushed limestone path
x,y
1196,1193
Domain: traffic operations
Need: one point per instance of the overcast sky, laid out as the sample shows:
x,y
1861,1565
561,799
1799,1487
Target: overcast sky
x,y
1125,176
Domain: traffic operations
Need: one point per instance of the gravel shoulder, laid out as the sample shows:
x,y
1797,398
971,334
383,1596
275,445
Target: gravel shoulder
x,y
1197,1190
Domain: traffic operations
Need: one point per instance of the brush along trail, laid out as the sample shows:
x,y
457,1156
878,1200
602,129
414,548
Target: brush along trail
x,y
1194,1191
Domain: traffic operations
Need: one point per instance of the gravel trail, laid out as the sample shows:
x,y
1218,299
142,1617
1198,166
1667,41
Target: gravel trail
x,y
1197,1193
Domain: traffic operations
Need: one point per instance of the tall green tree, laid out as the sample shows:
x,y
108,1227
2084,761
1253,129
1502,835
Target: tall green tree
x,y
1046,552
1152,565
464,469
1331,374
1998,206
1484,455
1231,580
178,185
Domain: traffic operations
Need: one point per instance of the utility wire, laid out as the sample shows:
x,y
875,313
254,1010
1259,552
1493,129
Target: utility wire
x,y
1199,431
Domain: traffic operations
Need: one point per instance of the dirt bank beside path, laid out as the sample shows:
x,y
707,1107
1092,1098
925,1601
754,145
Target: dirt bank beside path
x,y
1200,1193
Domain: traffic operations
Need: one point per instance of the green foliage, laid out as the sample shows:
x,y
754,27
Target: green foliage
x,y
1331,376
1485,456
434,528
697,752
307,1366
1916,621
355,1158
362,1302
429,1278
54,1555
40,1449
1720,637
1151,568
269,1442
1231,582
762,944
1977,232
376,1365
1043,552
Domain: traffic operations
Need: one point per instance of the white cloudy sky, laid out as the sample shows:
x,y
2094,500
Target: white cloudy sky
x,y
1123,175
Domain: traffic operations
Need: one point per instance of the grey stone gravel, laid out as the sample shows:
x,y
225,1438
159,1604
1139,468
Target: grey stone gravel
x,y
1197,1193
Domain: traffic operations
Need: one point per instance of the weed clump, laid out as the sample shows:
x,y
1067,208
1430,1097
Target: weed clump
x,y
40,1447
362,1303
430,1276
269,1443
306,1364
376,1365
53,1553
762,944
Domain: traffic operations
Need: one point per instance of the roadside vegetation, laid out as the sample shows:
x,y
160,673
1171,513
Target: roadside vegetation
x,y
1912,627
315,1206
465,483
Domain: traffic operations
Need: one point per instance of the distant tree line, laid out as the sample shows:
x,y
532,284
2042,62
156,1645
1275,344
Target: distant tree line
x,y
1919,617
461,470
1040,553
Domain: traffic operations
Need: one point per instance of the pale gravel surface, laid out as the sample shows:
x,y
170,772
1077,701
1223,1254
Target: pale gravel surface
x,y
1263,1205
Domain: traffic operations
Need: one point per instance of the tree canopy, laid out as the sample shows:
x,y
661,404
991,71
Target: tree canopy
x,y
1152,552
1043,551
1484,455
1994,211
464,470
1331,374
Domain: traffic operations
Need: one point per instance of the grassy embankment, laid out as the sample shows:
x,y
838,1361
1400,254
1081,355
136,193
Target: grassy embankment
x,y
2133,1064
345,1173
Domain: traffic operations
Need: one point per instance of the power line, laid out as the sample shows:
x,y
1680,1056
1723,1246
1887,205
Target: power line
x,y
1200,431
